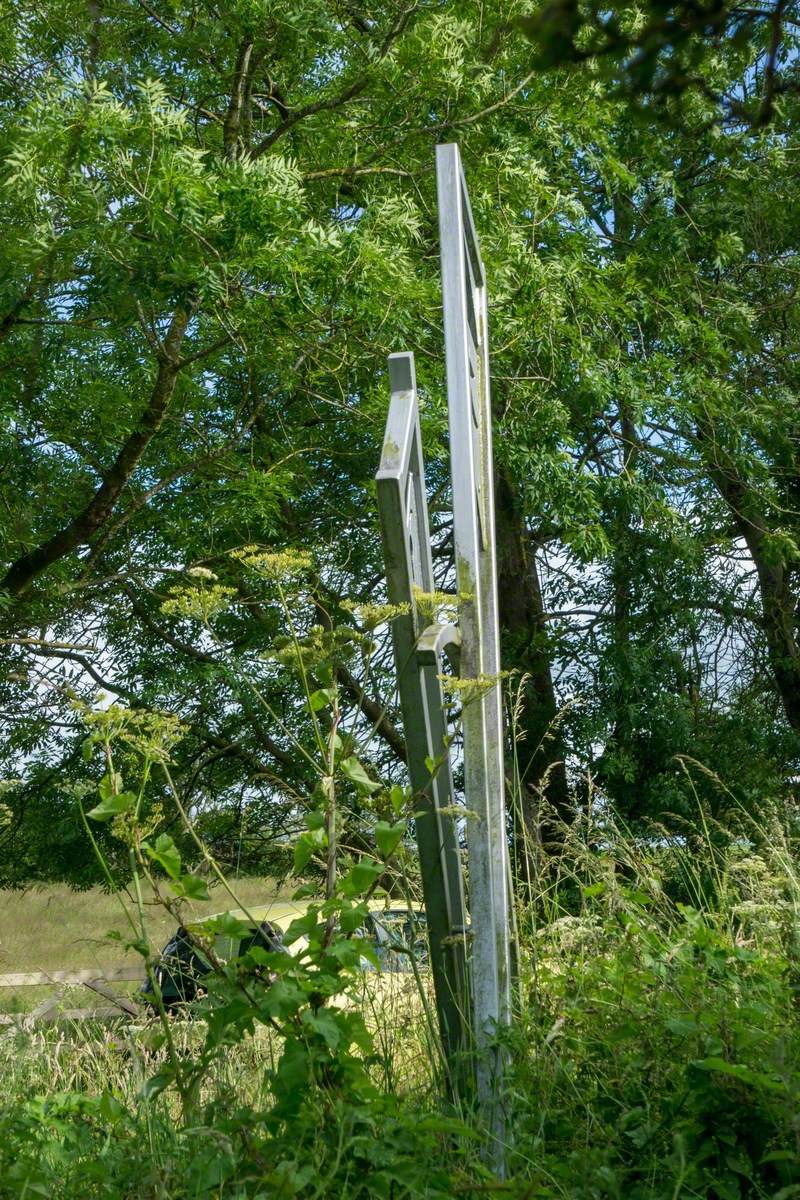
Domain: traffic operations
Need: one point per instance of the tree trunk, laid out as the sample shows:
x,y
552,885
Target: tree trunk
x,y
778,596
544,800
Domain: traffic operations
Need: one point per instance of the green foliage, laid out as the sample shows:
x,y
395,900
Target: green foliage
x,y
671,1030
655,1055
325,1049
226,222
71,1146
656,51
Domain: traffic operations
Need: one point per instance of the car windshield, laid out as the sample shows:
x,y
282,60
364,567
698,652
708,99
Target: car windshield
x,y
266,936
399,935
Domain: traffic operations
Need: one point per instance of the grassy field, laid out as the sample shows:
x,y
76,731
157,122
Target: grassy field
x,y
54,928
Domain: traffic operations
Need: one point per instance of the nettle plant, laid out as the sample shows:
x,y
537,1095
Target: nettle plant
x,y
324,1049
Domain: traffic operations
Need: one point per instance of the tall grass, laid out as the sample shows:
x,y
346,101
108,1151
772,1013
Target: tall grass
x,y
654,1056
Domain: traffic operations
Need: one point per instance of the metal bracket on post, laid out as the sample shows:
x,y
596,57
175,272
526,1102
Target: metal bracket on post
x,y
403,508
470,420
437,640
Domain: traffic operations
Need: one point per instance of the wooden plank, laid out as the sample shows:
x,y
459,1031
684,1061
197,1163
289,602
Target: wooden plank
x,y
127,1006
46,1011
91,1014
105,974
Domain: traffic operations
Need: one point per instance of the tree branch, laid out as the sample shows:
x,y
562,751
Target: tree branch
x,y
164,635
91,518
233,116
301,113
374,713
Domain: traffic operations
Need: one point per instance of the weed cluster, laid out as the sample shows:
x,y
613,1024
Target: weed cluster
x,y
655,1056
658,1049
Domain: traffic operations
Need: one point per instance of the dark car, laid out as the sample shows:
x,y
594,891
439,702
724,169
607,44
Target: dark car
x,y
182,965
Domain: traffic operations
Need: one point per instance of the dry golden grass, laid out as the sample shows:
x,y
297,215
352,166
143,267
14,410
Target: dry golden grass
x,y
54,928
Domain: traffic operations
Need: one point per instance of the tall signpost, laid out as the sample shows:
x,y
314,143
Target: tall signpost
x,y
403,509
402,502
470,421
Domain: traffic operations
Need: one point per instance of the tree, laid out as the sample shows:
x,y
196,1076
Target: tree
x,y
655,52
228,220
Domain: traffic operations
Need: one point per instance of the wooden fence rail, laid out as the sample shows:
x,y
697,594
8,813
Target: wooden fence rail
x,y
96,979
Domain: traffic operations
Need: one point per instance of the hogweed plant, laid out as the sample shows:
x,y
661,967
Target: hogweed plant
x,y
656,1049
323,1050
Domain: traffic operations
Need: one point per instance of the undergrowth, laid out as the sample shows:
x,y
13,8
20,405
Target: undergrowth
x,y
654,1056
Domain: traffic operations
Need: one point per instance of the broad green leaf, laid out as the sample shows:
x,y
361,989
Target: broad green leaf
x,y
166,854
780,1156
110,1108
322,698
223,925
324,1021
354,771
683,1026
110,785
192,887
397,798
742,1072
283,999
306,845
348,953
304,848
301,926
361,877
388,837
155,1085
594,889
352,916
304,891
112,807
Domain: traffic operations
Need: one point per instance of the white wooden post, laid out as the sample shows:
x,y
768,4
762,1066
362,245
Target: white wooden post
x,y
406,540
469,408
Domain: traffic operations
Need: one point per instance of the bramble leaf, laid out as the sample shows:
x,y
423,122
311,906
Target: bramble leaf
x,y
354,771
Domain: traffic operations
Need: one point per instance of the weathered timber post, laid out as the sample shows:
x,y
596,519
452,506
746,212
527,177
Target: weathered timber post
x,y
470,421
403,510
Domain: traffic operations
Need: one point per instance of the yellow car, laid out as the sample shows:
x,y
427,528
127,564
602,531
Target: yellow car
x,y
396,933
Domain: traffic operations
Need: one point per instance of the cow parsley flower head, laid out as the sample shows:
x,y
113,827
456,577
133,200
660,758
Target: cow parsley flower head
x,y
275,565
